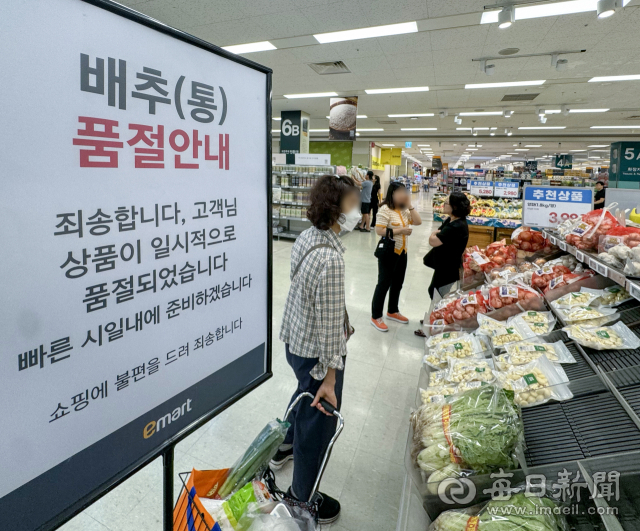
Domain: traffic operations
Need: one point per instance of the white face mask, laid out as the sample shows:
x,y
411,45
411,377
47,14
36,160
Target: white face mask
x,y
349,220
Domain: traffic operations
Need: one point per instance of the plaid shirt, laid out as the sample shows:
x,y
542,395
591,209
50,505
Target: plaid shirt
x,y
313,320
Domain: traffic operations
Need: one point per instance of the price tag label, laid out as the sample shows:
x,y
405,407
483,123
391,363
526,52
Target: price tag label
x,y
481,188
634,290
601,268
592,263
552,240
562,245
580,256
617,277
549,206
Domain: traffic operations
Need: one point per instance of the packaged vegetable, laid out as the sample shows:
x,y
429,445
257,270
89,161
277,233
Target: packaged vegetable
x,y
547,273
478,430
228,513
613,296
500,253
518,513
629,236
437,378
509,294
463,347
576,298
502,275
540,323
587,315
632,267
514,332
444,337
470,370
613,337
534,383
528,351
564,280
585,234
486,325
257,456
611,260
437,393
525,239
470,304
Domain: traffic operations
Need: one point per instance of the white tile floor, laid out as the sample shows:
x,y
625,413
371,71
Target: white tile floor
x,y
366,471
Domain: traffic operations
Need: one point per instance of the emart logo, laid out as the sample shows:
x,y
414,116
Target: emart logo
x,y
156,425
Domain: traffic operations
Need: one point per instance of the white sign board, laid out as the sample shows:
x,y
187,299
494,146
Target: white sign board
x,y
481,188
135,284
313,159
506,189
549,206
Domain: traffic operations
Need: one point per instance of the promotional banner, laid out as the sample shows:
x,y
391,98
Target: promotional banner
x,y
294,132
547,207
385,156
136,295
342,118
625,162
506,189
436,163
396,156
480,188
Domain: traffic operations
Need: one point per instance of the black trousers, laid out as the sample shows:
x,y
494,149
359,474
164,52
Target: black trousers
x,y
311,430
442,278
391,271
374,211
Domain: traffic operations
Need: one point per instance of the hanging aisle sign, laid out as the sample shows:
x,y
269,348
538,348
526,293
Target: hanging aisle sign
x,y
506,189
547,206
136,287
481,188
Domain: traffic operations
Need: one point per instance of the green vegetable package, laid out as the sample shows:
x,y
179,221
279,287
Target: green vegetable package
x,y
520,512
475,431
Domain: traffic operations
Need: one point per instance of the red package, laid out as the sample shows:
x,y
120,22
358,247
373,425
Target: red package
x,y
541,277
500,253
506,295
569,278
586,234
629,236
525,239
443,310
469,305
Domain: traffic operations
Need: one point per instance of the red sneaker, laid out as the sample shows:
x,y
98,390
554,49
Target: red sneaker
x,y
398,317
378,324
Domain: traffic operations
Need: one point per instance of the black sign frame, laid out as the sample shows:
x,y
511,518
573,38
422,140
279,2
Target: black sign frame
x,y
21,507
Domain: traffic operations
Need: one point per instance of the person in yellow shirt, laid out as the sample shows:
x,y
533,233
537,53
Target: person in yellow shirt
x,y
396,213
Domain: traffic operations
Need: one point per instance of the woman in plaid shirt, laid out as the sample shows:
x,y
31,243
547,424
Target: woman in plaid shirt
x,y
313,330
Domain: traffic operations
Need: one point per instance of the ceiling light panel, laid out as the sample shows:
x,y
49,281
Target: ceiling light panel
x,y
410,115
367,33
375,129
311,95
483,113
533,145
634,77
545,127
397,90
417,129
599,145
360,116
615,127
545,10
505,84
250,47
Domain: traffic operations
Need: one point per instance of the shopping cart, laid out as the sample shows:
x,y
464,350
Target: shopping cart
x,y
286,501
194,518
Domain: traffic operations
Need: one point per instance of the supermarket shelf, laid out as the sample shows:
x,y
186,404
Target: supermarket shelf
x,y
305,220
294,203
583,427
287,235
294,187
590,259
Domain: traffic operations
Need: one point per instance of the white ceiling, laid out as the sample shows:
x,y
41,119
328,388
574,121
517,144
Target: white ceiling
x,y
439,58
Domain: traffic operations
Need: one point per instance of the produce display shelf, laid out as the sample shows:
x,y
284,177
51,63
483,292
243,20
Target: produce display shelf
x,y
293,219
293,203
583,427
613,360
580,369
295,187
288,235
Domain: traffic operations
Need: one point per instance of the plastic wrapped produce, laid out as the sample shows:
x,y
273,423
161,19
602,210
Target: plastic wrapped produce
x,y
514,332
469,305
547,273
534,383
586,315
518,513
444,337
477,430
470,370
530,350
502,275
586,233
613,296
525,239
614,337
500,253
539,323
511,294
576,298
628,236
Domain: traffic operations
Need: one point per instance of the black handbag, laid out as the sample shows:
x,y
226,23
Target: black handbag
x,y
386,246
429,259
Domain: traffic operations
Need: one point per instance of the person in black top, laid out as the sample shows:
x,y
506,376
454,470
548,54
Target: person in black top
x,y
599,201
449,242
375,191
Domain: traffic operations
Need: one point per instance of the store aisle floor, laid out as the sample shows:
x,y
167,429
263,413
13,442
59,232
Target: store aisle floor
x,y
366,471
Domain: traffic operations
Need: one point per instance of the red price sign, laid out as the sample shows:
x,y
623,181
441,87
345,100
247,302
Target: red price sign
x,y
555,218
511,192
486,191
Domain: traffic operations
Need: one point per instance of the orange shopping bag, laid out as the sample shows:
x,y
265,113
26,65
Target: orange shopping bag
x,y
189,513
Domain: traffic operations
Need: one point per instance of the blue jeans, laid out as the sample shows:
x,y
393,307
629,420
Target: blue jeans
x,y
311,430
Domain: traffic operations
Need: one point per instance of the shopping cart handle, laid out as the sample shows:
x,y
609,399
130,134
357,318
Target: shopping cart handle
x,y
327,407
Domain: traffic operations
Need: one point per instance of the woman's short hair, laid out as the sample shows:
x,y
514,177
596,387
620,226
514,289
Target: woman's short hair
x,y
460,205
326,199
388,199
